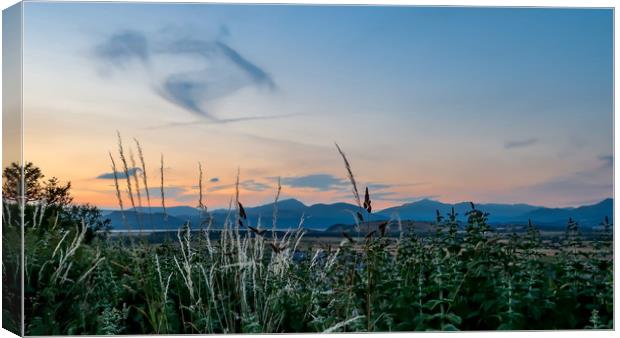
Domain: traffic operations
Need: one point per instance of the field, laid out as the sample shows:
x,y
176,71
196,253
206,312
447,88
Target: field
x,y
376,277
197,167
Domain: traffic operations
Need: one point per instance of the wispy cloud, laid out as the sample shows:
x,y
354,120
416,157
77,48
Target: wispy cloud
x,y
214,180
250,185
608,161
593,183
392,196
328,182
378,186
257,74
172,192
321,182
220,121
512,144
224,71
122,48
602,169
571,186
120,174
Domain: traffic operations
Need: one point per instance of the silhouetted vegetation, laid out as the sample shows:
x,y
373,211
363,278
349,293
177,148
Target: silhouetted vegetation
x,y
260,280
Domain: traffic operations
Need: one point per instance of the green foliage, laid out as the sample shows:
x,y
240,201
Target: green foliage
x,y
459,277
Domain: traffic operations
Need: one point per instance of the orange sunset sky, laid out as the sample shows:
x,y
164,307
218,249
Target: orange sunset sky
x,y
454,104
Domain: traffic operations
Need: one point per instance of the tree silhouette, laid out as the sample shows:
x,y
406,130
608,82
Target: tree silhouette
x,y
51,192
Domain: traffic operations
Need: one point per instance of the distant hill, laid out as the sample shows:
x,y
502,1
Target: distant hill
x,y
153,221
324,216
588,215
291,211
182,211
284,205
178,211
425,210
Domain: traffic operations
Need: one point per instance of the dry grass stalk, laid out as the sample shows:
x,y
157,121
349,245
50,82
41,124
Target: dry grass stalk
x,y
201,205
238,209
343,324
237,204
163,199
121,153
137,183
144,178
118,190
65,259
136,179
275,211
356,193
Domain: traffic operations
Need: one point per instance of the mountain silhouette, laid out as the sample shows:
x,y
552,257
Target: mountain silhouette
x,y
322,216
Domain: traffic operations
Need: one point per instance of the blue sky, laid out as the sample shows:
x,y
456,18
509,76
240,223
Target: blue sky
x,y
484,104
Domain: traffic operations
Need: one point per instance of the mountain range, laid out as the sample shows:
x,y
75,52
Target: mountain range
x,y
322,216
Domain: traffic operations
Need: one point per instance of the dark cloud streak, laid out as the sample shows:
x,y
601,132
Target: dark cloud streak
x,y
257,74
221,121
520,143
120,174
194,90
608,161
123,47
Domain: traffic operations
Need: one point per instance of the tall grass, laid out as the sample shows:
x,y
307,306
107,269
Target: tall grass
x,y
241,278
126,172
144,178
118,190
163,198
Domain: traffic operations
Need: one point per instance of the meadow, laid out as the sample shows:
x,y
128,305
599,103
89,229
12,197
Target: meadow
x,y
80,280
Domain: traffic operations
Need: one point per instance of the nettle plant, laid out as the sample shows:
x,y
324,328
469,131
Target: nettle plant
x,y
243,277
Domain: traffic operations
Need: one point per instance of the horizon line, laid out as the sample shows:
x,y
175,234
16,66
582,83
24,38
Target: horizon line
x,y
379,210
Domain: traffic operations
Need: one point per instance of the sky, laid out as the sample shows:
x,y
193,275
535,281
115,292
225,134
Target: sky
x,y
504,105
